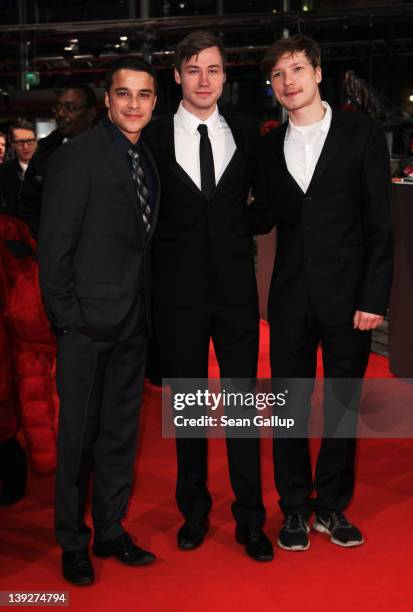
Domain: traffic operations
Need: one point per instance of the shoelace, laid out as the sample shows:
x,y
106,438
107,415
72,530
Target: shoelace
x,y
339,520
295,522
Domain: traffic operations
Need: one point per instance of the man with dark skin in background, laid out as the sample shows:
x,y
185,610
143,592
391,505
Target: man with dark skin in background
x,y
75,111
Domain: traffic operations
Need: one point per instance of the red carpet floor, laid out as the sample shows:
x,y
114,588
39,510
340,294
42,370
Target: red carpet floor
x,y
219,576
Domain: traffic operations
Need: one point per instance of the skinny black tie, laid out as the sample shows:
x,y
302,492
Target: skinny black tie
x,y
206,162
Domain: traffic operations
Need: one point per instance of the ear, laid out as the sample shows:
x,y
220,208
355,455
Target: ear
x,y
154,101
225,77
318,74
177,77
107,100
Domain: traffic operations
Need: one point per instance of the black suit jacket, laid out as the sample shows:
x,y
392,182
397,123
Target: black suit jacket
x,y
94,254
30,197
203,243
11,177
335,247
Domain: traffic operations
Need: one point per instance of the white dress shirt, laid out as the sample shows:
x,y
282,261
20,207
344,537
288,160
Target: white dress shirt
x,y
303,145
187,139
23,166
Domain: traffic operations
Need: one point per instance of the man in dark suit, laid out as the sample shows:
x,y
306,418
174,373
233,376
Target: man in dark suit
x,y
204,280
325,182
22,137
100,207
75,111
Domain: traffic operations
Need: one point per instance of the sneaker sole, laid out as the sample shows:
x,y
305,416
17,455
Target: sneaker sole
x,y
293,548
321,529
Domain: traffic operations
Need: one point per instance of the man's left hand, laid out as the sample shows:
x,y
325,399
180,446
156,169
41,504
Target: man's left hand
x,y
366,320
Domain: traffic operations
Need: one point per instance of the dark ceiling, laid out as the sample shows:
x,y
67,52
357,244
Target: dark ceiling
x,y
67,39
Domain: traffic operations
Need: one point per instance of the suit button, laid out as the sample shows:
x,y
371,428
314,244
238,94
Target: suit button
x,y
307,229
308,198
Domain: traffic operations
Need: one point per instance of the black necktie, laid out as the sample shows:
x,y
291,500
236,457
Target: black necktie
x,y
206,162
143,194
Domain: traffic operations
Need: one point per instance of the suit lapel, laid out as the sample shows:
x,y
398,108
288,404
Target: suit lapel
x,y
180,172
173,164
155,210
280,156
234,126
120,169
335,138
333,141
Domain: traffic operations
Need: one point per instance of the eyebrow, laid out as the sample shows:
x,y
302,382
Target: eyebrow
x,y
197,66
139,91
292,65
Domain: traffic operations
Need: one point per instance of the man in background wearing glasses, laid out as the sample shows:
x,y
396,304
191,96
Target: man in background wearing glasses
x,y
22,138
75,111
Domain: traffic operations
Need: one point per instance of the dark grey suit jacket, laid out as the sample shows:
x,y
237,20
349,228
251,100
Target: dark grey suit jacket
x,y
94,254
335,244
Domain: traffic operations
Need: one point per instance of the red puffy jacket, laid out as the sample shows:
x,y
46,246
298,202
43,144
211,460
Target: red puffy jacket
x,y
31,346
8,399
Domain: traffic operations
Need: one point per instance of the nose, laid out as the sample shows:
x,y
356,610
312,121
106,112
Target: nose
x,y
289,79
204,78
135,101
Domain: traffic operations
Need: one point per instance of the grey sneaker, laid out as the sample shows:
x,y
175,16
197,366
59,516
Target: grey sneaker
x,y
340,530
294,533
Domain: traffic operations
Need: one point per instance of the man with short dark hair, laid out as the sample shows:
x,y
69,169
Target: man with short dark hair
x,y
204,279
100,208
22,138
325,182
75,111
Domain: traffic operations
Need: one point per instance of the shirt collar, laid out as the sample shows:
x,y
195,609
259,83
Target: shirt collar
x,y
190,122
323,125
120,139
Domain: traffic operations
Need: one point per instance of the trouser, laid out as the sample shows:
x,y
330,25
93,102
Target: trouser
x,y
293,353
100,389
185,336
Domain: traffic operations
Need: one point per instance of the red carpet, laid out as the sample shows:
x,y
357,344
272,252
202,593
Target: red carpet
x,y
219,576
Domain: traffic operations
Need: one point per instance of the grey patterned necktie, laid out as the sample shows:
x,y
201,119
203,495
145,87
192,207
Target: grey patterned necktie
x,y
143,194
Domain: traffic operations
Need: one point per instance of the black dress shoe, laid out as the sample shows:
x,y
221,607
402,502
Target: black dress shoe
x,y
77,568
125,550
192,533
256,543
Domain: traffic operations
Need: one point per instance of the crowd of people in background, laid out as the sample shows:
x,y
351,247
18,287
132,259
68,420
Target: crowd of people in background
x,y
23,162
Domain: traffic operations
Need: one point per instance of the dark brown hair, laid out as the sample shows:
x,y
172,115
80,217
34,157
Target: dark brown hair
x,y
196,42
292,44
21,124
130,63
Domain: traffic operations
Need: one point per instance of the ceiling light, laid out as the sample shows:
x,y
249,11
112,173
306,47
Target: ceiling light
x,y
123,38
411,98
74,40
